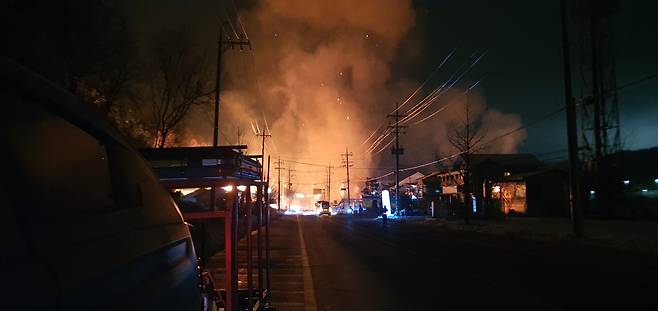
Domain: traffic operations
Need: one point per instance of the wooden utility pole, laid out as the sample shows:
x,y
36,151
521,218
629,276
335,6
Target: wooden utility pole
x,y
278,169
221,45
289,191
396,129
346,164
262,151
329,183
232,43
575,201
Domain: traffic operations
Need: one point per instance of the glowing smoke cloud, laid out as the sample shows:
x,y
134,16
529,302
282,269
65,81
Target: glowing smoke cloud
x,y
322,80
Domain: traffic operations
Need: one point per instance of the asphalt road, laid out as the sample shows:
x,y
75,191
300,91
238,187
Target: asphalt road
x,y
359,264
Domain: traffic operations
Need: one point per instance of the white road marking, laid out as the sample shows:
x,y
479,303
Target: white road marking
x,y
309,292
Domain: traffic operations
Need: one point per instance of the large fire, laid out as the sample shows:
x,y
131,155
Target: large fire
x,y
319,80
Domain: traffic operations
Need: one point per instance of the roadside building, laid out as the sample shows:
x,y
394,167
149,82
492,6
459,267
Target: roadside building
x,y
502,184
442,193
412,185
411,192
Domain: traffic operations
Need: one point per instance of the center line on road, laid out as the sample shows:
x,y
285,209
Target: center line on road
x,y
309,292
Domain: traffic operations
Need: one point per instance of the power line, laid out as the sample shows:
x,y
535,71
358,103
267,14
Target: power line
x,y
638,81
305,163
228,19
535,122
396,128
489,142
543,118
311,171
221,43
432,97
237,15
450,82
446,105
413,94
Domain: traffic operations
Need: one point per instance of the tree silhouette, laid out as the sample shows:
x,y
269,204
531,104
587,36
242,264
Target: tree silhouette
x,y
180,80
466,136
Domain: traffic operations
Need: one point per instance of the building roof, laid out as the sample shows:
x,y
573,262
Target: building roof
x,y
501,160
412,179
505,160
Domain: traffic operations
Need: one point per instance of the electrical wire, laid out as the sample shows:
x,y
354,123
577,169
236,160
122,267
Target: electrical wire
x,y
537,121
413,94
433,96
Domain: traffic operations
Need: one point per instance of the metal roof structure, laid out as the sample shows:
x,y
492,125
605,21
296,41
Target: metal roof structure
x,y
198,167
193,167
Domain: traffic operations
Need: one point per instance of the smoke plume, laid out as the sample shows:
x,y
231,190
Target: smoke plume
x,y
320,75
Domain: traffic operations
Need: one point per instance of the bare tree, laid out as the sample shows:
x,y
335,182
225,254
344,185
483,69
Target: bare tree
x,y
181,79
112,84
466,136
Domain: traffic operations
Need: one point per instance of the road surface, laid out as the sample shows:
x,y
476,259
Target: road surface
x,y
359,264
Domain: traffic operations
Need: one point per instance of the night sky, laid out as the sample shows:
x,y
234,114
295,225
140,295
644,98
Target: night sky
x,y
522,70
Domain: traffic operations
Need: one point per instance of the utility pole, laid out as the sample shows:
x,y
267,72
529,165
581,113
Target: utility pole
x,y
278,169
574,168
289,184
346,164
396,129
221,44
329,183
232,43
262,152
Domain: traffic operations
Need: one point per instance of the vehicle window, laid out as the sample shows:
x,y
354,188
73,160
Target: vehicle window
x,y
65,169
129,172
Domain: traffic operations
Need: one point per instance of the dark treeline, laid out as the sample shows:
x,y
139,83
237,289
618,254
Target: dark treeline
x,y
88,48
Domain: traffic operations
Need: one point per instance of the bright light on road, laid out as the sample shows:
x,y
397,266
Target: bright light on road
x,y
386,202
228,188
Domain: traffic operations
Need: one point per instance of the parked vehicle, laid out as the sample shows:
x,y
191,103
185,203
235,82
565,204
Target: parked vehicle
x,y
324,208
86,224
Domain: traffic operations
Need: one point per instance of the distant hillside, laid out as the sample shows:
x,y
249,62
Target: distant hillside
x,y
641,163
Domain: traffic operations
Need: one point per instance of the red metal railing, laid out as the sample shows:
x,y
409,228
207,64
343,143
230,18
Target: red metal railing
x,y
233,169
